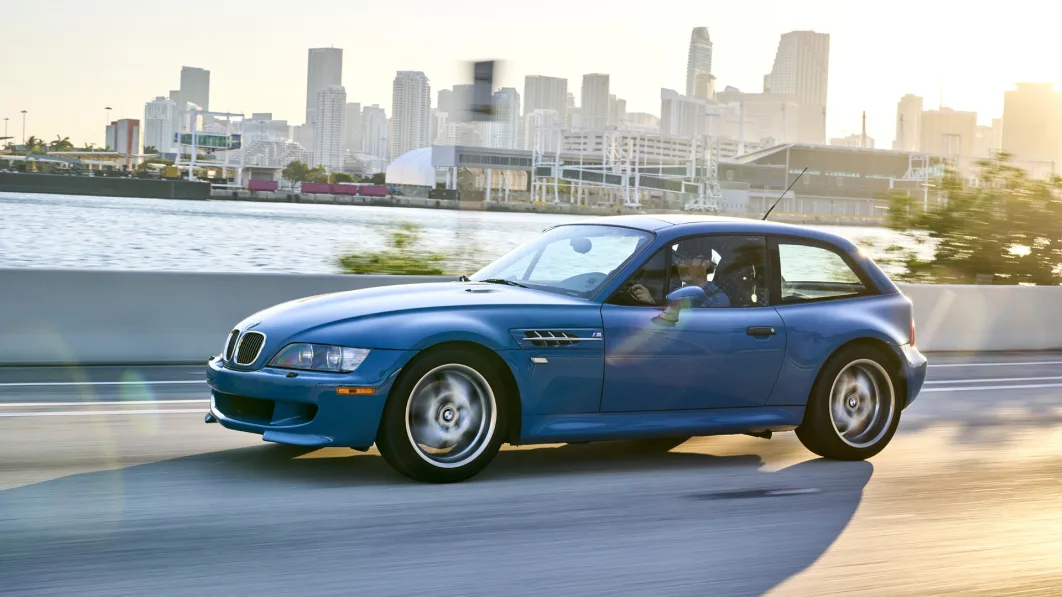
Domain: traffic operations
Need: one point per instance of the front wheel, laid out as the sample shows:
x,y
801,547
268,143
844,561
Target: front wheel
x,y
444,420
853,410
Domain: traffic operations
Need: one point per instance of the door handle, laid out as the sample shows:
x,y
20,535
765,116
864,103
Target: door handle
x,y
761,330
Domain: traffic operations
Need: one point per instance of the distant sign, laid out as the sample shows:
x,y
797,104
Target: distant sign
x,y
209,140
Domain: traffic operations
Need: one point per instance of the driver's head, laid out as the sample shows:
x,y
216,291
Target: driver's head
x,y
695,269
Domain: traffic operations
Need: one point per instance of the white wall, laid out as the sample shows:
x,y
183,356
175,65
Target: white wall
x,y
87,316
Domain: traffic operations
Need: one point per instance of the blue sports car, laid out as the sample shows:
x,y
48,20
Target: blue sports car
x,y
649,328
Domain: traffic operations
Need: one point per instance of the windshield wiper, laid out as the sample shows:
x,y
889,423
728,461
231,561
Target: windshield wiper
x,y
503,281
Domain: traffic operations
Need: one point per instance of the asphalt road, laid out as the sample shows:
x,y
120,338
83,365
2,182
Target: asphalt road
x,y
110,484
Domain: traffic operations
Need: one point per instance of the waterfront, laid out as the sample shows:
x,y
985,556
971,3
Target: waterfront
x,y
59,231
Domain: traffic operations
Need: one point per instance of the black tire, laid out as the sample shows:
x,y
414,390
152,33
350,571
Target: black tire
x,y
862,430
404,419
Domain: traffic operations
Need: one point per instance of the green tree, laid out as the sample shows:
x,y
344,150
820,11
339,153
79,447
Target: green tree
x,y
1007,229
61,144
402,257
317,175
341,177
378,178
151,149
295,172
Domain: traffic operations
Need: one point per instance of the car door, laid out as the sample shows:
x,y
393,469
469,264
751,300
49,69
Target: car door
x,y
723,353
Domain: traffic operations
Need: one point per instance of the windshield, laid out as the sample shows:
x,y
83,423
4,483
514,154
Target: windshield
x,y
575,260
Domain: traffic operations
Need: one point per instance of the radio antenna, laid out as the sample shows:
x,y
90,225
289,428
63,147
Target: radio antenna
x,y
784,194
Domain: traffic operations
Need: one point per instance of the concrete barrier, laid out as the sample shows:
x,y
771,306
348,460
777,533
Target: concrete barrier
x,y
99,317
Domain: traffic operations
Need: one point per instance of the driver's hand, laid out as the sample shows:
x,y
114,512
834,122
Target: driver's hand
x,y
641,294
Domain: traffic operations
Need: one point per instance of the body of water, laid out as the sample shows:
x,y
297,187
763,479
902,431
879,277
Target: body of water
x,y
60,231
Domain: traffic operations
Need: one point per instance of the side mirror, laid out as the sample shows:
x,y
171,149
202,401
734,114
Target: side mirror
x,y
681,299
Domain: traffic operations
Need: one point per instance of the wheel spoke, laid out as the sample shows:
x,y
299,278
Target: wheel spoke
x,y
452,410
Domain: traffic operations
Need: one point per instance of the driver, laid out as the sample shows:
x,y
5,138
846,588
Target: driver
x,y
692,271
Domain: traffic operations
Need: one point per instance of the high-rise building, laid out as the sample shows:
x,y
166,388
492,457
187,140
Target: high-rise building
x,y
760,118
507,128
594,101
123,136
410,112
617,110
352,135
801,69
374,130
328,128
699,79
438,125
682,116
159,119
195,86
537,129
323,70
948,133
446,101
461,98
908,123
546,93
1032,126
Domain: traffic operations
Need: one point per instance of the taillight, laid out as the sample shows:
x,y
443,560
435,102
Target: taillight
x,y
912,332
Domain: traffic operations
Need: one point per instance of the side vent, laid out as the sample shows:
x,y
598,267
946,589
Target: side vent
x,y
548,338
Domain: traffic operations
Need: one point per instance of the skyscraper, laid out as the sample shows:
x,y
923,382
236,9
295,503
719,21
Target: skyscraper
x,y
699,78
410,112
545,93
595,101
195,86
681,116
159,120
617,110
328,128
1032,126
374,131
324,69
908,123
801,69
446,101
506,130
352,135
949,133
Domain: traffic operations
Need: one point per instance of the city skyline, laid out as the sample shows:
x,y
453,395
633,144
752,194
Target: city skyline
x,y
745,41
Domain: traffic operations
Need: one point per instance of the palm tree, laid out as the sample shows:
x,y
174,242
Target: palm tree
x,y
88,147
150,149
33,145
61,144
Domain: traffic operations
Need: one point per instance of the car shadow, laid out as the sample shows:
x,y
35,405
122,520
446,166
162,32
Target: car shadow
x,y
548,519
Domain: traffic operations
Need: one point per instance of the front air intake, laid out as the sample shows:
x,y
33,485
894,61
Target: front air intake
x,y
250,347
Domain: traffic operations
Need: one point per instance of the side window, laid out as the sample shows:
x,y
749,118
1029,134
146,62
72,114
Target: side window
x,y
810,273
646,287
730,269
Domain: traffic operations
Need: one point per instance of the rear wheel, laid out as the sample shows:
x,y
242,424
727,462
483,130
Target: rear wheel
x,y
444,419
853,411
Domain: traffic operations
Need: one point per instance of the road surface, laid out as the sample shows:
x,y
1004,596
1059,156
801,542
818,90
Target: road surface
x,y
111,484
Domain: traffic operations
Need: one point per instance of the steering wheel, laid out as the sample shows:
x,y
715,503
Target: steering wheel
x,y
583,281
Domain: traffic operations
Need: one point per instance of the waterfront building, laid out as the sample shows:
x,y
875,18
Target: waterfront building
x,y
123,136
410,112
159,120
324,69
908,123
328,128
1032,127
195,87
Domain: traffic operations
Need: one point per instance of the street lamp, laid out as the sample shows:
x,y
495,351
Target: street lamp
x,y
23,127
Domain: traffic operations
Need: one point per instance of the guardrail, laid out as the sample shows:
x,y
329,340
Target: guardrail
x,y
126,317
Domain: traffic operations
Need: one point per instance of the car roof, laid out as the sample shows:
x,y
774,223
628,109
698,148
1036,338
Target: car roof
x,y
683,224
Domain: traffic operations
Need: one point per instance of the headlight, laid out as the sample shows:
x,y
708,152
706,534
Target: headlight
x,y
319,357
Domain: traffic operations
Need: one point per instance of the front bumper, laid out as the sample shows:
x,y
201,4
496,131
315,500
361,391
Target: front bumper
x,y
915,366
305,410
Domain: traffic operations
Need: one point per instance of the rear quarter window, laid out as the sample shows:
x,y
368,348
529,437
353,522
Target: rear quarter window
x,y
811,272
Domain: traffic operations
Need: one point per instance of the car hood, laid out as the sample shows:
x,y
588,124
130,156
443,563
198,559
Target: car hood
x,y
308,313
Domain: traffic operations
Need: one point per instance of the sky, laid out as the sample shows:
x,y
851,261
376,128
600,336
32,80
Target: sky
x,y
64,61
